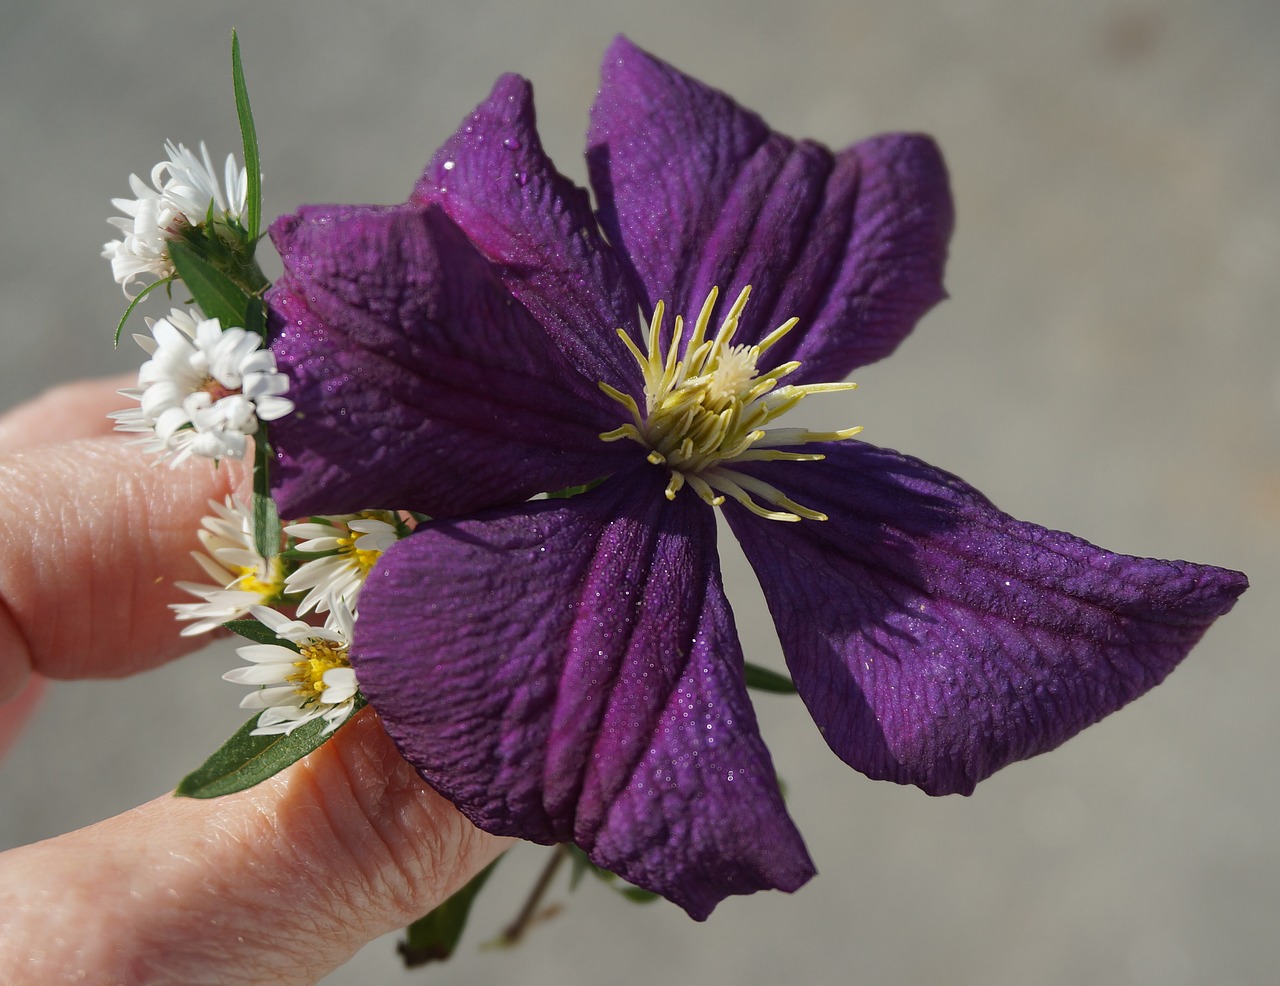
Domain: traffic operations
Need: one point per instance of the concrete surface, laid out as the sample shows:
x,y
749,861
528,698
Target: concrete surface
x,y
1108,363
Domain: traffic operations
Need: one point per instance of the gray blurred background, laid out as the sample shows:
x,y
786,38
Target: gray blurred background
x,y
1108,363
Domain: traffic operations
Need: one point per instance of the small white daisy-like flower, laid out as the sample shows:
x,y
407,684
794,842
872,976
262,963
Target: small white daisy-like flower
x,y
242,578
351,545
297,687
204,389
186,191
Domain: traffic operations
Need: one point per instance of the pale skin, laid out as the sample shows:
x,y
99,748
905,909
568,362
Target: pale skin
x,y
276,885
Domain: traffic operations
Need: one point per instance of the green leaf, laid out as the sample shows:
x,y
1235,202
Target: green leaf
x,y
259,633
134,304
768,681
217,295
249,135
435,937
266,519
246,760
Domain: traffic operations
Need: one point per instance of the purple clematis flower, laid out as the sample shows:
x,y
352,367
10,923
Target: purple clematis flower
x,y
568,669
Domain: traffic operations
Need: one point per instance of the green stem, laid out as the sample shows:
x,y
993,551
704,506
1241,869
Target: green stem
x,y
515,931
250,277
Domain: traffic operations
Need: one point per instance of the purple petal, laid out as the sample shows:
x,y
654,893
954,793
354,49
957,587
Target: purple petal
x,y
936,639
569,671
699,192
419,383
496,182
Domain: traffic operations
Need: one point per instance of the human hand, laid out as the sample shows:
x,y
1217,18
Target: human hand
x,y
277,884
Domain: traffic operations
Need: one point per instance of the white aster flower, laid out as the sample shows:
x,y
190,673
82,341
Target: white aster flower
x,y
186,192
204,389
351,545
242,578
296,687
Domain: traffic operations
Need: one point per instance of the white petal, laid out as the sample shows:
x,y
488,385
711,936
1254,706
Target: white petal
x,y
259,674
275,695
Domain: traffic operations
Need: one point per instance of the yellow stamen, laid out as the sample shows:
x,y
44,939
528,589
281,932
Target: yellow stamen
x,y
318,657
364,560
708,409
270,588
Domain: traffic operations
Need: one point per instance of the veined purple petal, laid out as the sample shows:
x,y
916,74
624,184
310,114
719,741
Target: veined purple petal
x,y
419,383
495,181
569,671
698,193
936,639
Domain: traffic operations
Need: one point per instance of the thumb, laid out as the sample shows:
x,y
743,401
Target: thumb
x,y
278,884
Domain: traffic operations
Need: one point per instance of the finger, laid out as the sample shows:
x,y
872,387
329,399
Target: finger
x,y
60,414
279,884
18,711
64,413
92,538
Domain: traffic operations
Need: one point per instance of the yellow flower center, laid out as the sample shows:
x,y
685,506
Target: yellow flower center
x,y
707,410
268,584
318,657
359,558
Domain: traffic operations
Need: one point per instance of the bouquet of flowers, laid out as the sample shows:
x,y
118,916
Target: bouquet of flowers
x,y
499,421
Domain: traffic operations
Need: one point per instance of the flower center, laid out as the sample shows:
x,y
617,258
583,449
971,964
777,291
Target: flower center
x,y
318,656
707,410
268,584
362,559
215,389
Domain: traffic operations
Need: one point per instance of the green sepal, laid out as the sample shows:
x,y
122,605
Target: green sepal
x,y
249,136
246,760
217,295
255,317
134,304
259,633
266,519
762,679
434,938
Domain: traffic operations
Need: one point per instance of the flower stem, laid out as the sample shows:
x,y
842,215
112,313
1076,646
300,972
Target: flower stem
x,y
515,931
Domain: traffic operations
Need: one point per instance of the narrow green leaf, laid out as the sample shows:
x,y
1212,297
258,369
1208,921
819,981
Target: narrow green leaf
x,y
246,760
134,304
217,295
435,937
259,633
266,519
768,681
249,135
